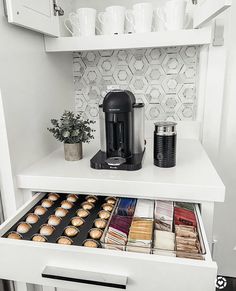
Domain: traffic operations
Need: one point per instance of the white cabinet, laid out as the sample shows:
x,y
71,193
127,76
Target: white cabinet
x,y
36,15
86,269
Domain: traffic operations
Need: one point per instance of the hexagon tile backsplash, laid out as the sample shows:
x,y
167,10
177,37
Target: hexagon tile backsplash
x,y
164,79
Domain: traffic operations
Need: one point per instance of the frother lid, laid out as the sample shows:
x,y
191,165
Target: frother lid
x,y
165,127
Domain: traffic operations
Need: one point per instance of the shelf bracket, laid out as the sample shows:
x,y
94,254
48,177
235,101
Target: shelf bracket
x,y
219,28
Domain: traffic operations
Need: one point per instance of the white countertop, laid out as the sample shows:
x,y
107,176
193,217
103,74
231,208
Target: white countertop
x,y
193,179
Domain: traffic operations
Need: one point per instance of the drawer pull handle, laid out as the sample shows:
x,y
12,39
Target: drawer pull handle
x,y
85,277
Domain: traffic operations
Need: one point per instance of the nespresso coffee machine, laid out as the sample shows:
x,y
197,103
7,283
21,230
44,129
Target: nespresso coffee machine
x,y
121,132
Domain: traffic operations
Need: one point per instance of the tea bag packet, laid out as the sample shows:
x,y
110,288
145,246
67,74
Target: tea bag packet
x,y
187,242
164,215
140,235
164,240
184,205
126,207
185,231
118,230
184,216
144,208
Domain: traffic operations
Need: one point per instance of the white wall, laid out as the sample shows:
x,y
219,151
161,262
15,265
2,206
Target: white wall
x,y
36,87
225,215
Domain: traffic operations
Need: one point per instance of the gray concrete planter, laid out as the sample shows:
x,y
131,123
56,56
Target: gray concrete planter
x,y
73,152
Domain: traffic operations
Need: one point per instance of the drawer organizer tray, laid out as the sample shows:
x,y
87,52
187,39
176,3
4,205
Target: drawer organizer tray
x,y
59,229
92,269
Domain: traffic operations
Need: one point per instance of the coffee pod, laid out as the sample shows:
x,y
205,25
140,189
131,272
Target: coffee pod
x,y
107,207
47,203
100,223
23,227
95,233
77,221
111,200
72,198
53,196
39,238
82,213
40,210
63,240
91,199
71,231
46,229
32,218
90,243
104,214
61,212
14,235
87,205
54,220
66,204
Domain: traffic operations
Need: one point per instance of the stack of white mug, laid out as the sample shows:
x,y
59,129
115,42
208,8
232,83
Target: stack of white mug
x,y
141,18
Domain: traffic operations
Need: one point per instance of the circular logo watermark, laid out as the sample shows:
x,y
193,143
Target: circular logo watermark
x,y
221,283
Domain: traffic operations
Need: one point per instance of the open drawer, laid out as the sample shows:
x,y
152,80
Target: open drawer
x,y
86,269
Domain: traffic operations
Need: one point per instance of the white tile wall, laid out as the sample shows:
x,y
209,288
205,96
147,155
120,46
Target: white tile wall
x,y
164,79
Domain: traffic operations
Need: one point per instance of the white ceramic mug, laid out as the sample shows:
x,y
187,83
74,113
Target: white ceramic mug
x,y
112,20
159,23
83,21
141,17
173,15
72,24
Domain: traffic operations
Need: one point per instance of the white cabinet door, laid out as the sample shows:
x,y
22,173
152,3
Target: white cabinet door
x,y
206,10
37,15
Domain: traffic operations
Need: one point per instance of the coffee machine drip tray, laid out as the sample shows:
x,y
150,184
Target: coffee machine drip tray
x,y
101,162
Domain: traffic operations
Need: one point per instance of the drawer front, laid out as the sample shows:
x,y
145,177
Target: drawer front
x,y
87,269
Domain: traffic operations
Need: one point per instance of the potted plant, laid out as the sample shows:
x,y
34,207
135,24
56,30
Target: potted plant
x,y
72,130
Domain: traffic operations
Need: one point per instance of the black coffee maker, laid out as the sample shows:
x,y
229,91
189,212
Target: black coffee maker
x,y
121,132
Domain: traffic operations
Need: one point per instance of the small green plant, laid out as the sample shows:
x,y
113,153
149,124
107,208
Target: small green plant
x,y
72,128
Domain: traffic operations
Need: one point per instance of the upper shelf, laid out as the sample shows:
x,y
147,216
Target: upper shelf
x,y
127,41
193,179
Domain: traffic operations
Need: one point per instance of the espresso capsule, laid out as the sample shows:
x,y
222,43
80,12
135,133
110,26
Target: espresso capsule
x,y
82,213
107,207
14,235
40,210
95,233
72,198
66,204
23,227
90,243
111,200
63,240
77,221
47,203
46,229
54,220
87,205
53,196
61,212
100,223
104,214
91,198
71,231
32,218
39,238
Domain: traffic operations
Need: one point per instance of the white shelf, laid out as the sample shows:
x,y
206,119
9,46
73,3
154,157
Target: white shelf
x,y
193,179
127,41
